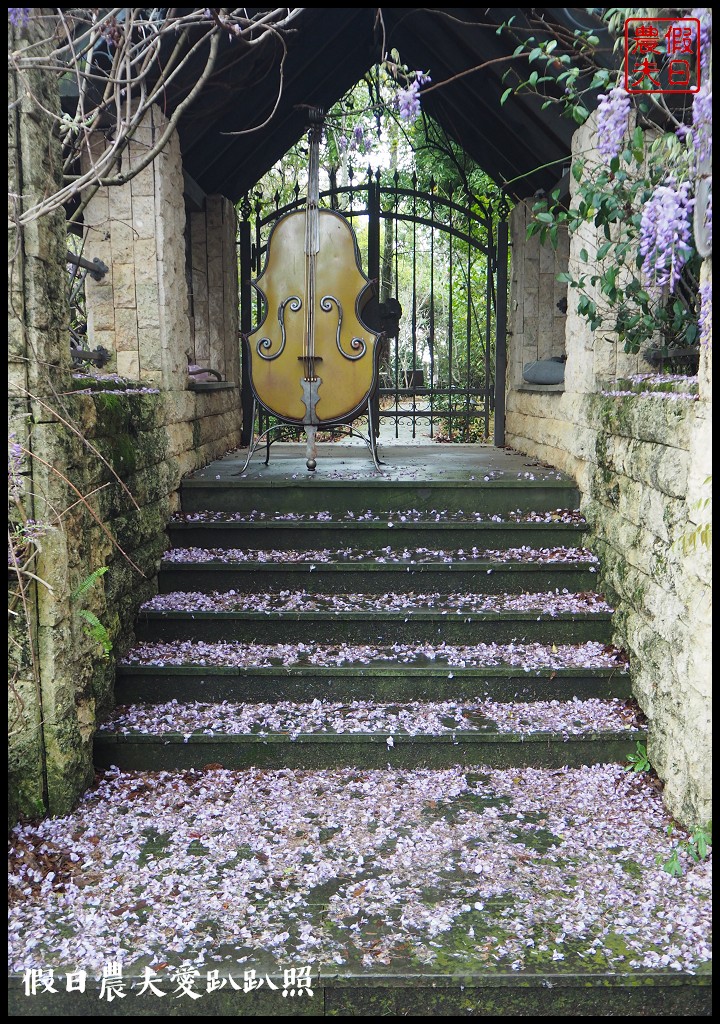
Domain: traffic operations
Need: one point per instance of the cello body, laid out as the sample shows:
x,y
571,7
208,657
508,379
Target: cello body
x,y
312,359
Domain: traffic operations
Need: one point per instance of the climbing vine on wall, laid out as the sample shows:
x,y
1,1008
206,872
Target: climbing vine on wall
x,y
646,186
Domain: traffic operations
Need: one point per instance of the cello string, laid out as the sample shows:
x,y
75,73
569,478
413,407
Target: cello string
x,y
312,239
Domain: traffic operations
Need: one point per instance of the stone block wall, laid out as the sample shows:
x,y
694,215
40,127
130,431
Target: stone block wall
x,y
536,323
148,311
38,367
123,468
643,464
644,504
139,310
103,469
214,288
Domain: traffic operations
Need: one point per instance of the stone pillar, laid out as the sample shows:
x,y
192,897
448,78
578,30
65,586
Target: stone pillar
x,y
537,324
213,234
49,758
139,311
594,357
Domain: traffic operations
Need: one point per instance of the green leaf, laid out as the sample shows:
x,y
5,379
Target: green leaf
x,y
609,278
505,95
546,218
88,582
577,170
673,865
96,631
584,255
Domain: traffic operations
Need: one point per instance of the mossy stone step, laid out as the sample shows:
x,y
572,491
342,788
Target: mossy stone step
x,y
174,752
382,683
388,994
373,627
312,495
358,577
375,534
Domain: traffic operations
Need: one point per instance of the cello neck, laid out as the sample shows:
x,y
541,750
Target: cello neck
x,y
312,239
312,234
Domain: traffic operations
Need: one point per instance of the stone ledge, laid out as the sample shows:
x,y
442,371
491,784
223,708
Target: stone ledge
x,y
212,385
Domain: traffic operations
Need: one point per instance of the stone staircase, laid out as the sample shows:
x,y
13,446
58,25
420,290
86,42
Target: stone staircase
x,y
395,593
377,687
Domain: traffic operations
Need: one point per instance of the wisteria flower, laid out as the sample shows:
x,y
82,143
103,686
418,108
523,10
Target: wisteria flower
x,y
702,127
665,234
704,16
359,142
612,121
408,100
705,318
19,16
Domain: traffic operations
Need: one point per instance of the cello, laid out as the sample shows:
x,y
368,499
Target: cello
x,y
313,362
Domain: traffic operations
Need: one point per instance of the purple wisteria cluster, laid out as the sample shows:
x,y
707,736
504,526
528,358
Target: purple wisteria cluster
x,y
358,142
705,318
612,121
704,16
666,234
19,16
702,126
408,100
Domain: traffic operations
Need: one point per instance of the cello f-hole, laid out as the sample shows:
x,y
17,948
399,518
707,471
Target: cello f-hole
x,y
295,303
358,344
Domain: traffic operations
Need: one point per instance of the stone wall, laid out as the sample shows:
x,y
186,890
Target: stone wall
x,y
123,486
536,320
101,471
642,463
214,288
644,504
37,369
148,311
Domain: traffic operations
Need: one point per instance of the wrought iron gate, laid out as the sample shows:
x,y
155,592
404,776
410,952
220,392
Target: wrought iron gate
x,y
442,267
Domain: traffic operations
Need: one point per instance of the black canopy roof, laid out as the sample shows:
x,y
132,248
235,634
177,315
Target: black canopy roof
x,y
327,50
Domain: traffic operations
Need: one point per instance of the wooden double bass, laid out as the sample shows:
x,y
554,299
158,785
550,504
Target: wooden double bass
x,y
313,361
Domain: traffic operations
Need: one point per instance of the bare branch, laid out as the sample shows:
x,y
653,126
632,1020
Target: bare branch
x,y
122,63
